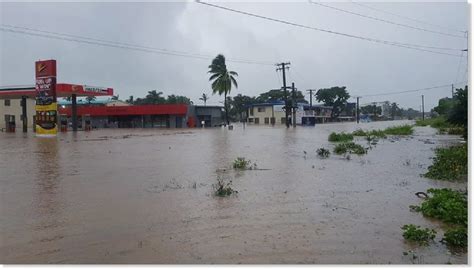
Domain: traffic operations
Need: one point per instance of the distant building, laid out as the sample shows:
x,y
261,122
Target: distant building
x,y
270,113
309,116
207,116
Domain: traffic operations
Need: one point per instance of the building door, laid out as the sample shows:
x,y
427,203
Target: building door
x,y
257,120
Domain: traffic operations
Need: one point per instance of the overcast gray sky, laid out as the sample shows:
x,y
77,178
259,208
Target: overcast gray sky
x,y
318,59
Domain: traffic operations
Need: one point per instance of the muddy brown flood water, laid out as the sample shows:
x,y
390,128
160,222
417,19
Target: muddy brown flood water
x,y
146,196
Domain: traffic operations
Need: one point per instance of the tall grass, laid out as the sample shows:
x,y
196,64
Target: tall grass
x,y
399,130
340,137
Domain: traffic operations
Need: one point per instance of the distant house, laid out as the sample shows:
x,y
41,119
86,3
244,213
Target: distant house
x,y
207,116
349,113
309,116
270,113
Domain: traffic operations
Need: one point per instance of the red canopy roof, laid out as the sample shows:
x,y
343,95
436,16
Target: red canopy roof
x,y
62,90
159,109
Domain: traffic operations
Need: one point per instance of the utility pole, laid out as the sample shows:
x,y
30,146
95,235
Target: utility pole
x,y
283,67
293,116
311,97
423,107
452,90
357,111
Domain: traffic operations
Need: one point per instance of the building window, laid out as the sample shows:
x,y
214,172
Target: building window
x,y
261,109
267,120
250,120
272,120
7,102
283,120
257,120
251,111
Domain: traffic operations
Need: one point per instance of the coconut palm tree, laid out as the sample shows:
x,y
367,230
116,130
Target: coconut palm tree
x,y
223,79
204,98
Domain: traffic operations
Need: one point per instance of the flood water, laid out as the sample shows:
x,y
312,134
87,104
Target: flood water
x,y
146,196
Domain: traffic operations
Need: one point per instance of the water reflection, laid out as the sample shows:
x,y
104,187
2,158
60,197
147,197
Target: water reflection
x,y
47,203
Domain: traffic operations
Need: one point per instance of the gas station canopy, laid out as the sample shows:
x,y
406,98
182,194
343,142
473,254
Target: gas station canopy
x,y
62,90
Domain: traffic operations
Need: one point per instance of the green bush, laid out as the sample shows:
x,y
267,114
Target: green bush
x,y
359,132
436,122
349,147
416,234
222,189
447,205
340,137
456,237
377,133
399,130
449,163
323,152
241,163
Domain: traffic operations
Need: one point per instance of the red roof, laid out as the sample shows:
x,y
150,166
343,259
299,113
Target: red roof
x,y
62,90
161,109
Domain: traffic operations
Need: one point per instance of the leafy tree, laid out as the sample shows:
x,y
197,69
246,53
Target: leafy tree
x,y
239,106
153,97
172,99
222,80
277,94
204,98
115,97
336,97
395,110
371,110
458,114
444,106
130,100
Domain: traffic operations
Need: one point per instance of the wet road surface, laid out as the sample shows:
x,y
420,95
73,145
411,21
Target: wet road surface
x,y
146,196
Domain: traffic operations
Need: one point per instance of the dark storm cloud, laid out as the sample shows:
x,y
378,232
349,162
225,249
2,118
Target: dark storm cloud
x,y
317,59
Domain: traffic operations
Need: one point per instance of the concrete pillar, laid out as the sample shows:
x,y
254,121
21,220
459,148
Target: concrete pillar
x,y
74,112
24,117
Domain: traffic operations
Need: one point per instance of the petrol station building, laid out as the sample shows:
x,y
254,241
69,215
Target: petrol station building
x,y
17,109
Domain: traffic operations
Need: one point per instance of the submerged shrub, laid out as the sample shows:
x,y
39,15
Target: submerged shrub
x,y
456,237
399,130
377,133
323,152
417,234
241,163
449,163
223,189
340,137
349,147
447,205
359,132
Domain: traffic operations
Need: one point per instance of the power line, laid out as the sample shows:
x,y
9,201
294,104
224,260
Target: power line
x,y
405,17
413,90
93,41
387,21
391,43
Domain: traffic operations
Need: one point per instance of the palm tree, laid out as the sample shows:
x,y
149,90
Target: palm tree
x,y
204,98
223,79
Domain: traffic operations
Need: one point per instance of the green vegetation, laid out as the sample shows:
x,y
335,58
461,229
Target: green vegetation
x,y
340,137
223,189
222,80
456,237
442,124
451,207
447,205
449,163
336,97
399,130
359,132
418,235
323,152
241,163
350,147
